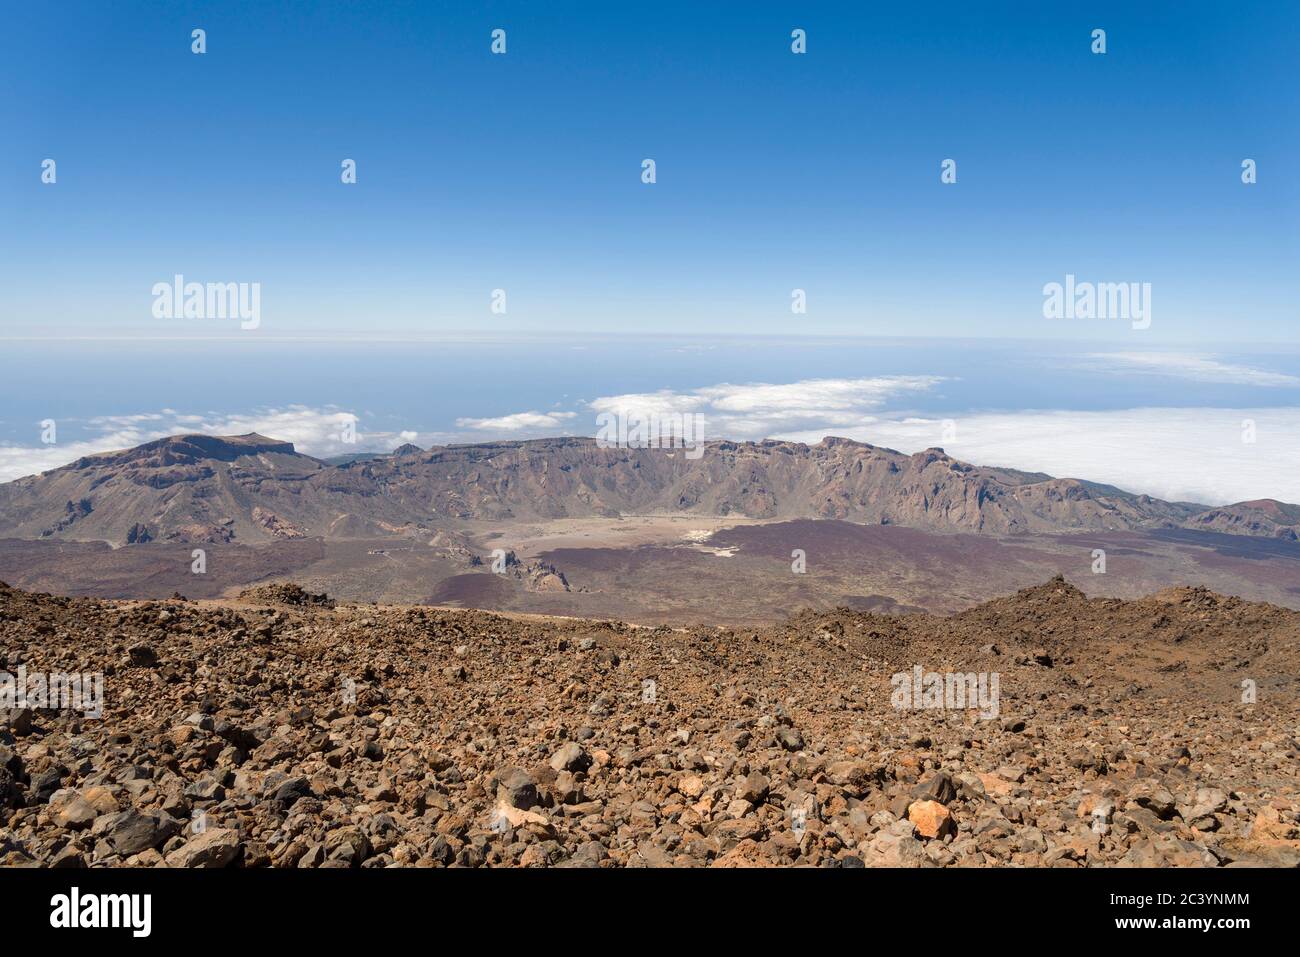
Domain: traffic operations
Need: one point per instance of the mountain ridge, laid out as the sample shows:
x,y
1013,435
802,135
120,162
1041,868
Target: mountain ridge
x,y
252,488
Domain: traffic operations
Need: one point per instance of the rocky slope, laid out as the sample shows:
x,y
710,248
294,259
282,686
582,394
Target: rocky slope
x,y
251,489
192,488
296,734
1263,517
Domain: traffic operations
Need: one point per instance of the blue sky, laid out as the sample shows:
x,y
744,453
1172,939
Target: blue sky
x,y
775,171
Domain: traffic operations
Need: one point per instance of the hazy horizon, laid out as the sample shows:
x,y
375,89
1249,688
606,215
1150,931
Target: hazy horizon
x,y
1167,423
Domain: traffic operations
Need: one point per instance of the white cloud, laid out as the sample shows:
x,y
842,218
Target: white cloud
x,y
317,432
518,422
17,460
1177,454
757,410
1188,366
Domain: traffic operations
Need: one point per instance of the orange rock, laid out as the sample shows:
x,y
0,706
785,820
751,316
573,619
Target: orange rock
x,y
995,785
183,734
1269,825
692,786
931,818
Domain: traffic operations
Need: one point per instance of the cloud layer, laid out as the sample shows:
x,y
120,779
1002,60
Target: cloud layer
x,y
519,422
1181,454
761,409
1187,366
1195,455
318,432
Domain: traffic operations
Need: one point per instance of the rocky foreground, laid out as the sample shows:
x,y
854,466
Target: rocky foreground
x,y
297,734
